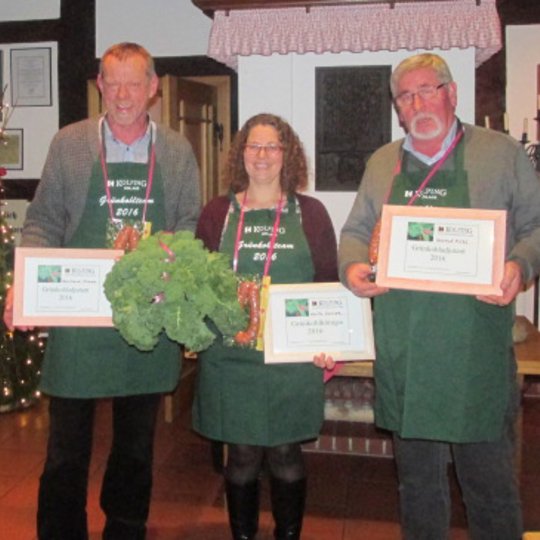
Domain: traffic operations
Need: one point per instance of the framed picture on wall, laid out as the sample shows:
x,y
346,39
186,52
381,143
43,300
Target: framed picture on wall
x,y
11,149
31,77
352,119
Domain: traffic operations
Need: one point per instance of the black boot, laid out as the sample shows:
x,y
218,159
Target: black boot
x,y
243,506
288,502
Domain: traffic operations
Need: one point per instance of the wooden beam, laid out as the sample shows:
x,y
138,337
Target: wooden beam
x,y
210,6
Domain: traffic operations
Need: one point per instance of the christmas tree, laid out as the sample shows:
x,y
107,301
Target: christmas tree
x,y
20,352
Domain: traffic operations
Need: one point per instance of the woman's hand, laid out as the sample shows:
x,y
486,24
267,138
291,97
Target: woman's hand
x,y
324,361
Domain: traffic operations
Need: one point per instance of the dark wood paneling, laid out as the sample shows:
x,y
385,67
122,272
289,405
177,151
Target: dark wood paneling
x,y
75,34
209,6
76,57
491,76
352,119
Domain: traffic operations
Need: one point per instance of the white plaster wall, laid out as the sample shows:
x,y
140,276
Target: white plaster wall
x,y
39,124
285,85
522,58
164,27
28,10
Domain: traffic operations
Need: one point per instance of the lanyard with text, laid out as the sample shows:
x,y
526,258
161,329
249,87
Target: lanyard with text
x,y
106,178
239,233
373,252
263,297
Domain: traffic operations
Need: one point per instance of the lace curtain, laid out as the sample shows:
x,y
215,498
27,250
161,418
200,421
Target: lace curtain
x,y
357,28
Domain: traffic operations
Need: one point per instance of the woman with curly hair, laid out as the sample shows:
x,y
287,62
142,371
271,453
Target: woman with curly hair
x,y
262,411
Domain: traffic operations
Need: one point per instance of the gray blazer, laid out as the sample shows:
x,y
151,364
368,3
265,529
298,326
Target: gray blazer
x,y
58,205
500,177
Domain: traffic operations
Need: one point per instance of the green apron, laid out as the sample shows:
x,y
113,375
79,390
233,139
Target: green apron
x,y
444,361
97,362
239,399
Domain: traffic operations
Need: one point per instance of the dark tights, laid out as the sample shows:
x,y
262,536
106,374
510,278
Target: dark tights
x,y
245,462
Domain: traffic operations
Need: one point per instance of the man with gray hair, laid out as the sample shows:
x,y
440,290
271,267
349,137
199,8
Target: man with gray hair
x,y
445,371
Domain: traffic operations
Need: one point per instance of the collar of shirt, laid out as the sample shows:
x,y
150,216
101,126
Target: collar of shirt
x,y
430,160
119,152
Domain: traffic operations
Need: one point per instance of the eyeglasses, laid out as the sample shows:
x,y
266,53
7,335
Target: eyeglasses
x,y
271,149
425,93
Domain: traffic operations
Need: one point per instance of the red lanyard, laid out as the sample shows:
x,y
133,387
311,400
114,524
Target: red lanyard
x,y
149,181
239,233
432,172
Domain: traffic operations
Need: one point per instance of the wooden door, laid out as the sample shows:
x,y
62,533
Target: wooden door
x,y
191,107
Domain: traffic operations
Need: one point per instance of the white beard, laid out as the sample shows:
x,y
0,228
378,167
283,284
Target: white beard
x,y
422,135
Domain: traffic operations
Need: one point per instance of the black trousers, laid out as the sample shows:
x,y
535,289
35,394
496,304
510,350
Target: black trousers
x,y
127,483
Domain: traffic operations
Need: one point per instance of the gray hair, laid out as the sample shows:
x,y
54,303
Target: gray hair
x,y
419,61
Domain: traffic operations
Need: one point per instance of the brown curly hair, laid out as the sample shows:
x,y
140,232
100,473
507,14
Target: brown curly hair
x,y
293,175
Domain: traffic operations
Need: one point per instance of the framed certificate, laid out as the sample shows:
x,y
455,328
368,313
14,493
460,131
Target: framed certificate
x,y
310,318
453,250
11,149
31,79
62,287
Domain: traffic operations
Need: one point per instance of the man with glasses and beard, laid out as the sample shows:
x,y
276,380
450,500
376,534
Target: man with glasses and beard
x,y
445,369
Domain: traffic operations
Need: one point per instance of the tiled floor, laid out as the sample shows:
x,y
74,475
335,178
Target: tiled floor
x,y
350,497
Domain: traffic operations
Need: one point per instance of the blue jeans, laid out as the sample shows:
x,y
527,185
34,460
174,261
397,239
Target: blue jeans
x,y
485,473
127,484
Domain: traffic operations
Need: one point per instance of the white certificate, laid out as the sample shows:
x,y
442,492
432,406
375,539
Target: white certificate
x,y
442,249
310,318
62,287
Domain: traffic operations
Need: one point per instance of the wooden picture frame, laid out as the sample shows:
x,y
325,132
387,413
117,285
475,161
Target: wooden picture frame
x,y
453,250
62,287
353,118
31,77
305,319
12,149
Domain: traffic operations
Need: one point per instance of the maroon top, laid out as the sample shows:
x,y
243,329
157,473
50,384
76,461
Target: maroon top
x,y
316,223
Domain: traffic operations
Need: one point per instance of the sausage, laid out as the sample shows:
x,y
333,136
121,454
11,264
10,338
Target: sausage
x,y
122,238
248,295
373,252
133,239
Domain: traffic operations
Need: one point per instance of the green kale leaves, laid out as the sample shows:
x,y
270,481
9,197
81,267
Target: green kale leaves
x,y
172,283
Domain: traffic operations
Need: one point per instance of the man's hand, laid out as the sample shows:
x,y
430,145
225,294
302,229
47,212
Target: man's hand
x,y
8,310
511,285
358,280
8,313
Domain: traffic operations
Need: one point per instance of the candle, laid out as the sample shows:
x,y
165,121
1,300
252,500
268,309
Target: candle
x,y
525,126
486,121
505,122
